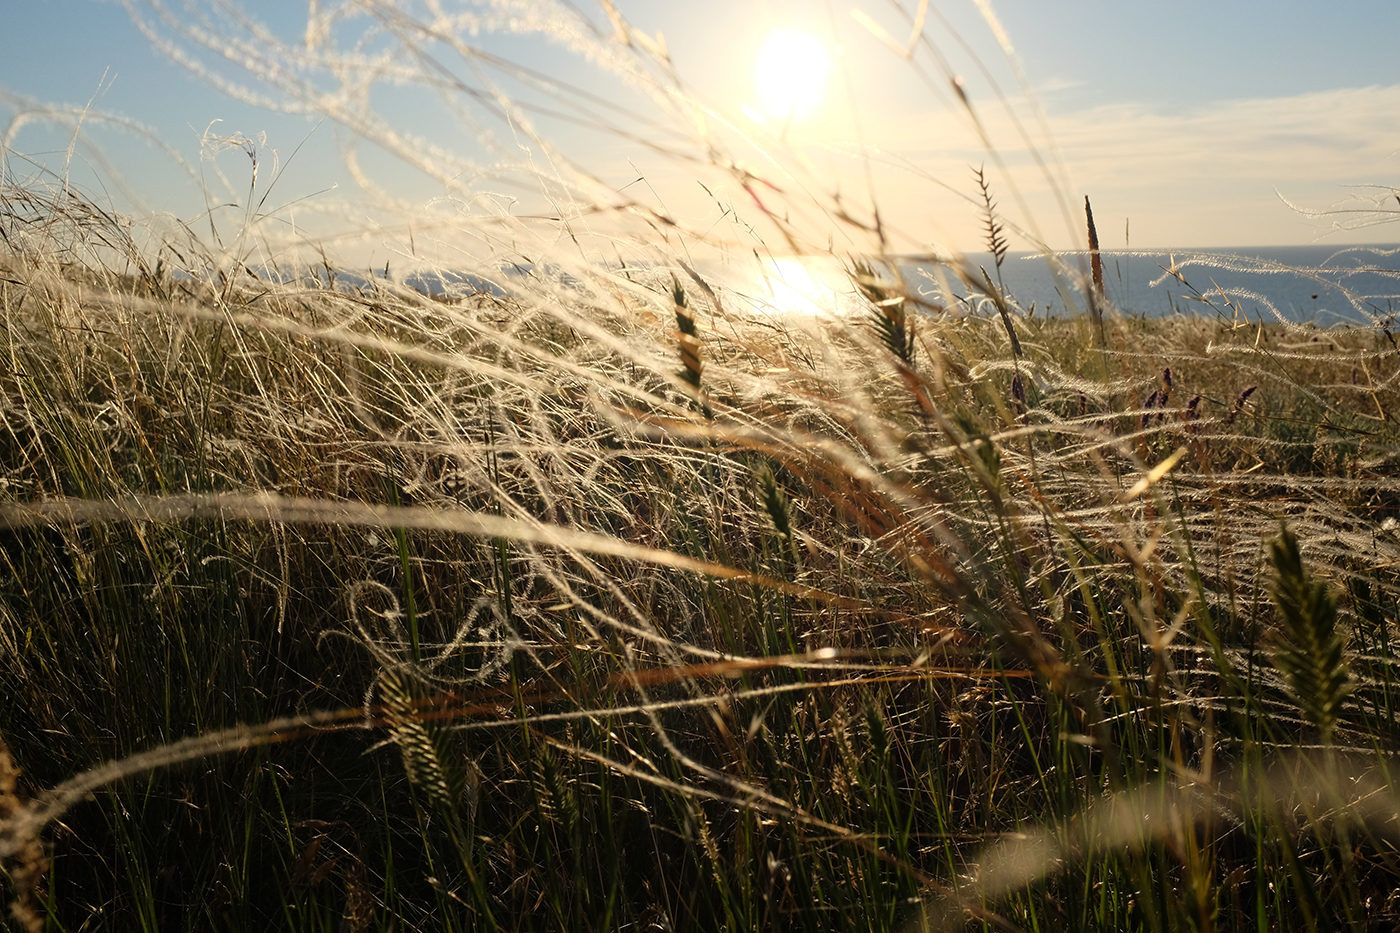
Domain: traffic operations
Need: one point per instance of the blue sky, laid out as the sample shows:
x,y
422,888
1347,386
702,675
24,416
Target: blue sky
x,y
1187,124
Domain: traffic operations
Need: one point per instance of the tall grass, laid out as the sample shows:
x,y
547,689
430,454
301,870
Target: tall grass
x,y
602,598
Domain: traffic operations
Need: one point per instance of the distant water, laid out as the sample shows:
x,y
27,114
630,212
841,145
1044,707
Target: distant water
x,y
1322,284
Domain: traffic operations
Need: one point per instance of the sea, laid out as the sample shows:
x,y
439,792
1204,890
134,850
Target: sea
x,y
1324,285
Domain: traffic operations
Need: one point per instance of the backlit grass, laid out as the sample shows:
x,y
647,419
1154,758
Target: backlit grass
x,y
607,599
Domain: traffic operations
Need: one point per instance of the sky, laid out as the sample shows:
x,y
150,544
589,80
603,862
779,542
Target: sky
x,y
1189,125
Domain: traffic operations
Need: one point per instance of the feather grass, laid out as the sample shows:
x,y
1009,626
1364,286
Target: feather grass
x,y
503,602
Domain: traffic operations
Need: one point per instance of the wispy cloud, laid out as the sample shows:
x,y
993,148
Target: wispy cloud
x,y
1339,133
1204,175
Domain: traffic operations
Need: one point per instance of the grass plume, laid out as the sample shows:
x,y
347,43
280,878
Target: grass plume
x,y
1308,649
1097,293
994,229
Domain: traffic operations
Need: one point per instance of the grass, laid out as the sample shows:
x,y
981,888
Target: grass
x,y
603,600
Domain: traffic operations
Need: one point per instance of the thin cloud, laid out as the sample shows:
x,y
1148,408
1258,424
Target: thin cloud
x,y
1204,176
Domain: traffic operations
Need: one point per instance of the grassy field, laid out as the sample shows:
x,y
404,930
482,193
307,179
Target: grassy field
x,y
611,605
607,599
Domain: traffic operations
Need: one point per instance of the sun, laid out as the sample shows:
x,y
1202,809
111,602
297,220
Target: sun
x,y
793,67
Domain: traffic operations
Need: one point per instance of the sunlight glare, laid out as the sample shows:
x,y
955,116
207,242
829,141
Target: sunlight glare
x,y
797,285
791,76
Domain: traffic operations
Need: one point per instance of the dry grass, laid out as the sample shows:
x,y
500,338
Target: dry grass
x,y
604,598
